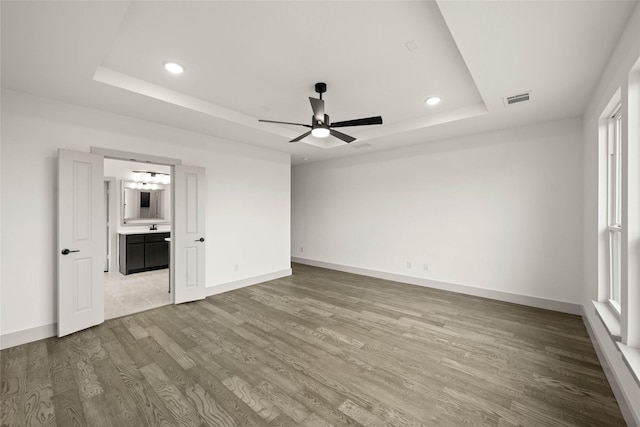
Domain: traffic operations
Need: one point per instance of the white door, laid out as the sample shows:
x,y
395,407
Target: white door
x,y
188,243
81,241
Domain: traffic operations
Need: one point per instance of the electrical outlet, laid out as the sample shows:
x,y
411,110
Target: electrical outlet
x,y
409,264
301,249
236,267
425,267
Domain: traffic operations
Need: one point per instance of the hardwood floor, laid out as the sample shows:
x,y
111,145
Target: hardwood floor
x,y
318,348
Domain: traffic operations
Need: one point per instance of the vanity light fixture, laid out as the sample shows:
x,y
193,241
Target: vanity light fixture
x,y
173,67
142,186
151,177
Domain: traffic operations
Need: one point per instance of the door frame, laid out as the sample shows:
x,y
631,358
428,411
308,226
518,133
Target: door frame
x,y
111,212
108,153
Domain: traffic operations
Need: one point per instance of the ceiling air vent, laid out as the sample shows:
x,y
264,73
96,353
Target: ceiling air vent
x,y
515,99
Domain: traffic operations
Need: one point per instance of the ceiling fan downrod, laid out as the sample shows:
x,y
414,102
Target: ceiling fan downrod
x,y
321,88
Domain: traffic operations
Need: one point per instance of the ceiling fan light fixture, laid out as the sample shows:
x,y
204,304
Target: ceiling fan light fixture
x,y
320,132
434,100
173,67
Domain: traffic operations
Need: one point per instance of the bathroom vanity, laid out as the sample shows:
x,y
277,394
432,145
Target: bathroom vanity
x,y
143,251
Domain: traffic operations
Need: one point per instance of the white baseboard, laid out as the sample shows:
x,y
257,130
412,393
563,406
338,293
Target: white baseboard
x,y
47,331
620,378
230,286
25,336
561,306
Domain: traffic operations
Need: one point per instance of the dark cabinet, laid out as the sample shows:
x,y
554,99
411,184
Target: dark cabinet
x,y
143,252
156,254
135,256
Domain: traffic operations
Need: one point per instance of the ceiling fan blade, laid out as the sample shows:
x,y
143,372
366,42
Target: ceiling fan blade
x,y
284,123
377,120
318,109
342,136
303,136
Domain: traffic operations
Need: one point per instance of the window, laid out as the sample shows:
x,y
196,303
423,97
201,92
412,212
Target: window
x,y
614,141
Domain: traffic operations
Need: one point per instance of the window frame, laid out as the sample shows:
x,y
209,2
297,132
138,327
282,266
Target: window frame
x,y
614,214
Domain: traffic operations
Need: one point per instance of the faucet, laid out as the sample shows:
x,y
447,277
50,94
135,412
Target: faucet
x,y
153,227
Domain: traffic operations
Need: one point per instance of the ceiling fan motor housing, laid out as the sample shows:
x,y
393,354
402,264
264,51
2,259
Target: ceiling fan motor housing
x,y
321,88
318,123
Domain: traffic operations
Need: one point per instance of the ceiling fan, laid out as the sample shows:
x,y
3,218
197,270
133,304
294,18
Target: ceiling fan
x,y
321,127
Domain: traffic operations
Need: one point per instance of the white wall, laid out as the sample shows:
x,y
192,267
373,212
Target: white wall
x,y
499,211
614,78
248,198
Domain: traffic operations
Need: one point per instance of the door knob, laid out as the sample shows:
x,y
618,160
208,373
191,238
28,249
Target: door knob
x,y
200,240
67,251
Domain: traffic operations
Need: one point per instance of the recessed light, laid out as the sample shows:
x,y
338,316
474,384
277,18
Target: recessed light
x,y
434,100
173,67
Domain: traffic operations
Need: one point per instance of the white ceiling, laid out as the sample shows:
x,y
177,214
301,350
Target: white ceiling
x,y
247,60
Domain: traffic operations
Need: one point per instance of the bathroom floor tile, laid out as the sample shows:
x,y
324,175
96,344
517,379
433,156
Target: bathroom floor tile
x,y
128,294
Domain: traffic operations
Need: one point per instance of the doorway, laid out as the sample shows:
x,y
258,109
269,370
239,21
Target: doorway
x,y
138,221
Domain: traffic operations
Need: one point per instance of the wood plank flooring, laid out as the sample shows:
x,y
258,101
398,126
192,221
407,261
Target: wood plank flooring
x,y
319,348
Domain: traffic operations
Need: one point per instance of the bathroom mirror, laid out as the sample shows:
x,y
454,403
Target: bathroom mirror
x,y
144,203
